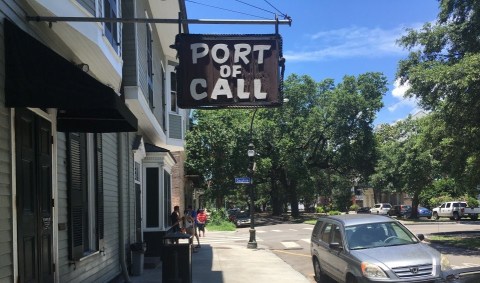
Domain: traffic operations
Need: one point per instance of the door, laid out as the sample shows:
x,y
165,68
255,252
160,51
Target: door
x,y
447,210
34,197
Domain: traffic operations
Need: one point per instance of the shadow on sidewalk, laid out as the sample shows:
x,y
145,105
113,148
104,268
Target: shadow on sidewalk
x,y
202,266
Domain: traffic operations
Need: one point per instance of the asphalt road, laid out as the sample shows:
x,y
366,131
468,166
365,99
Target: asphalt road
x,y
291,242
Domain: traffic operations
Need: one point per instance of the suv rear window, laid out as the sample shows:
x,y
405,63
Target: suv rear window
x,y
316,229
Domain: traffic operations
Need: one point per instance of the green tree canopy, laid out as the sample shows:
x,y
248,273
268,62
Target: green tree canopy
x,y
443,70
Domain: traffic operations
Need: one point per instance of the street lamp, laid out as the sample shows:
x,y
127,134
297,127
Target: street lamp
x,y
252,243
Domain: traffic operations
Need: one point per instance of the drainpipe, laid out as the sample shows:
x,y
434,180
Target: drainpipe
x,y
121,224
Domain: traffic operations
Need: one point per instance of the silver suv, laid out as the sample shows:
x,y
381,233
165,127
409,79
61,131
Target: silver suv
x,y
356,248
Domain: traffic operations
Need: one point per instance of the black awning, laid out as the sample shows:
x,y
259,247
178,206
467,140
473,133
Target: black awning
x,y
36,76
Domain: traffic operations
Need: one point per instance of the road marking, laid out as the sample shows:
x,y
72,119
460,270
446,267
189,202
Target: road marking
x,y
261,231
290,253
306,240
293,230
276,231
308,228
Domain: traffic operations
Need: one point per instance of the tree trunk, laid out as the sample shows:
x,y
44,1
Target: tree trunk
x,y
292,194
275,199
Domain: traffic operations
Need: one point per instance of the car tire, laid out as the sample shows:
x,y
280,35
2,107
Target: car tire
x,y
435,216
474,217
351,279
320,277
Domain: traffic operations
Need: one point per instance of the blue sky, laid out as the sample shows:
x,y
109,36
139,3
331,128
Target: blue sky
x,y
331,38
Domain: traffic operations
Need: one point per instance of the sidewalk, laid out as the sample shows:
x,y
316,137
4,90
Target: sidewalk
x,y
231,264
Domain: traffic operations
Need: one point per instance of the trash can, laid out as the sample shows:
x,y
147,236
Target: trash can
x,y
177,258
138,253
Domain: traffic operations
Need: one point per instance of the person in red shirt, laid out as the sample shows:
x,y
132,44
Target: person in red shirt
x,y
202,221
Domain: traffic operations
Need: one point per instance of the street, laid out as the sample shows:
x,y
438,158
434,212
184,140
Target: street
x,y
291,242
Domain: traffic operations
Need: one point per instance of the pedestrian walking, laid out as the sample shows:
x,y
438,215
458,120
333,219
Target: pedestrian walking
x,y
193,216
202,222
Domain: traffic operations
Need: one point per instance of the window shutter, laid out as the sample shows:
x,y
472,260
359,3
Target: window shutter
x,y
99,190
77,185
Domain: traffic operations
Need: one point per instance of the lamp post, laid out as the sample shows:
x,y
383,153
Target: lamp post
x,y
252,243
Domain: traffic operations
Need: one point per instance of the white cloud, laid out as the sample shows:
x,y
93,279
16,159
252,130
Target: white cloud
x,y
399,94
350,42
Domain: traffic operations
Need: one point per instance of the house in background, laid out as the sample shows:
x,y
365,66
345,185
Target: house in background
x,y
91,141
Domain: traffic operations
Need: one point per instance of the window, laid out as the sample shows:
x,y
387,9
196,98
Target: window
x,y
149,67
337,236
85,187
316,229
111,9
157,197
173,92
167,196
152,197
327,229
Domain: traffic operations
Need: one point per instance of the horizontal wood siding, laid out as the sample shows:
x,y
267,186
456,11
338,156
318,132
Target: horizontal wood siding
x,y
6,233
99,267
158,79
89,5
142,49
130,76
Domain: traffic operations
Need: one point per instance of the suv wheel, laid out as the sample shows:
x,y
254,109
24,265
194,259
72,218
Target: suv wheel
x,y
319,276
435,216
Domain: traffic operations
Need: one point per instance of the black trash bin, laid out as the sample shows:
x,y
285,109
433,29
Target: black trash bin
x,y
177,258
138,252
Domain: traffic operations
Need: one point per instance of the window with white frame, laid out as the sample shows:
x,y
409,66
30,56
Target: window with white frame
x,y
85,184
157,197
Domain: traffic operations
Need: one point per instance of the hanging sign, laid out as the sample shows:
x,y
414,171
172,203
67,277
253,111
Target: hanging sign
x,y
218,71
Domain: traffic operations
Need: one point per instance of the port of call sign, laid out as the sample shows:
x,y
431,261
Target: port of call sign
x,y
219,71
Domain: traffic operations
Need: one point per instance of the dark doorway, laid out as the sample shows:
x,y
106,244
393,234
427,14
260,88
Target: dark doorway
x,y
33,141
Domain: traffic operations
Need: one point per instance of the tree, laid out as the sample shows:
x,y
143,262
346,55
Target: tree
x,y
443,70
406,161
215,152
323,127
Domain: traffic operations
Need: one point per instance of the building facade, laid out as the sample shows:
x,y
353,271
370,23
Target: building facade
x,y
91,140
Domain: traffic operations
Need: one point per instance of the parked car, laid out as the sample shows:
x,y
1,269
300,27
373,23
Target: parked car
x,y
242,218
400,210
372,248
231,213
364,209
381,208
451,209
421,212
424,212
455,210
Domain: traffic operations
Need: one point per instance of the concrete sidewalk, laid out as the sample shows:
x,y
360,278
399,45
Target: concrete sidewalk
x,y
231,264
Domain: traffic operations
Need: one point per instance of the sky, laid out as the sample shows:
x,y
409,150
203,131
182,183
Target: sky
x,y
329,39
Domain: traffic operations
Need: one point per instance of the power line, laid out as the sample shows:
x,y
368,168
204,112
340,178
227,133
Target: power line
x,y
251,5
229,10
283,15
